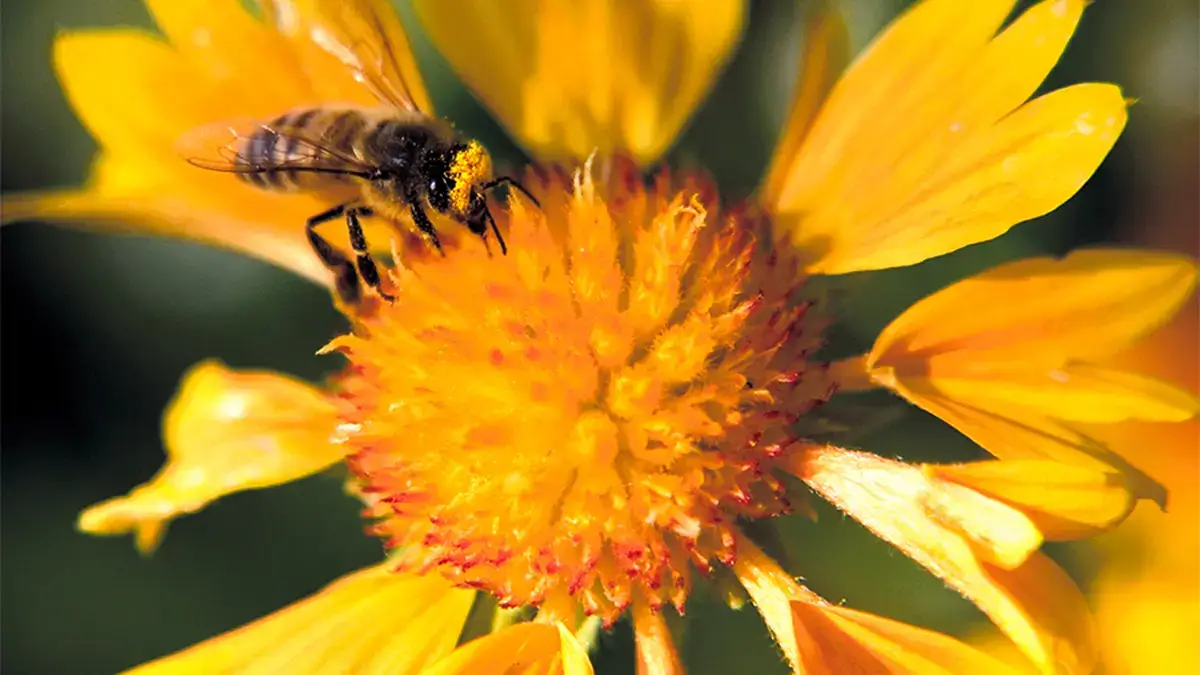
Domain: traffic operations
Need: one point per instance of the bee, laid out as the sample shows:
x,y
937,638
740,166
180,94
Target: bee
x,y
393,161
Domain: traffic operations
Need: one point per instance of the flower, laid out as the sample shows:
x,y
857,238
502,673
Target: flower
x,y
583,425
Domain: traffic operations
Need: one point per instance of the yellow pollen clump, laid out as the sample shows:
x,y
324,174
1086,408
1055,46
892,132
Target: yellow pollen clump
x,y
588,415
472,166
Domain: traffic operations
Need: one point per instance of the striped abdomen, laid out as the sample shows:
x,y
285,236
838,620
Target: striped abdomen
x,y
285,151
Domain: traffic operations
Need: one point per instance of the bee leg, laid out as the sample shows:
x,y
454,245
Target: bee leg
x,y
423,223
343,269
366,265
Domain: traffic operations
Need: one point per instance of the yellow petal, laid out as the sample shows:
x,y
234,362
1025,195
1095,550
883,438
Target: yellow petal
x,y
373,622
818,638
823,56
981,548
524,648
1021,435
842,640
1025,355
1085,306
655,649
570,77
1064,501
221,39
945,525
1078,392
918,151
140,182
225,431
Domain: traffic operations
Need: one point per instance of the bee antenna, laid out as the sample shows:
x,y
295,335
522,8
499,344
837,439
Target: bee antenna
x,y
506,180
488,214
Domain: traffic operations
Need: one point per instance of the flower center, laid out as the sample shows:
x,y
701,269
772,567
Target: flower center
x,y
588,415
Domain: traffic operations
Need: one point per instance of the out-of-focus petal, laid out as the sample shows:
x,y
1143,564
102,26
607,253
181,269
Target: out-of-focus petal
x,y
1084,306
818,638
225,432
526,648
225,42
823,56
655,649
1064,501
567,78
929,118
1077,392
967,540
373,621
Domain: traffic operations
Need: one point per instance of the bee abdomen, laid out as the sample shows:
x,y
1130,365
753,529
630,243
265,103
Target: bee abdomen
x,y
282,155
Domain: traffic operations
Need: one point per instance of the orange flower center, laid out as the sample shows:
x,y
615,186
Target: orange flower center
x,y
590,414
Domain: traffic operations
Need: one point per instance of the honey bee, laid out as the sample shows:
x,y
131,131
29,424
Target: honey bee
x,y
393,161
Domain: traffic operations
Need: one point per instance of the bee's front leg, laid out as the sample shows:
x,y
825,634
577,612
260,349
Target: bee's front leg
x,y
345,275
358,240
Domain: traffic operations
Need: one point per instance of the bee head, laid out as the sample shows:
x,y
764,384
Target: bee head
x,y
470,168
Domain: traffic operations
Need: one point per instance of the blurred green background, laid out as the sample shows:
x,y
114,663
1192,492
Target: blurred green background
x,y
97,329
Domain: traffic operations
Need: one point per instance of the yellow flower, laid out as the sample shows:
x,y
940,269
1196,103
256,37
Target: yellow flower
x,y
581,426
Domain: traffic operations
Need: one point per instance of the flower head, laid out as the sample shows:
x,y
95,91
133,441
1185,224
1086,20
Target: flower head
x,y
583,425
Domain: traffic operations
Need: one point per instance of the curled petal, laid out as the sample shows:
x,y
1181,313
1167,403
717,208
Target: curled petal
x,y
1024,435
1064,501
372,621
930,118
817,637
981,547
523,648
224,432
570,78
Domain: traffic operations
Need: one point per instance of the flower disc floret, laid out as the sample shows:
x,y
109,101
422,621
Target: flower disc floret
x,y
588,415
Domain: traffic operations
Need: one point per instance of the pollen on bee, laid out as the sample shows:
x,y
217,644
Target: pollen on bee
x,y
472,166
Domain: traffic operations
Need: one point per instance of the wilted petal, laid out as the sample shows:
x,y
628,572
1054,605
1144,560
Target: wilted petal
x,y
225,431
1064,501
373,622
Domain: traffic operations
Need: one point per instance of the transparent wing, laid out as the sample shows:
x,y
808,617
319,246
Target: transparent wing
x,y
254,146
366,36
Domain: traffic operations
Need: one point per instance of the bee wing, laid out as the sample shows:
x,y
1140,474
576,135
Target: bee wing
x,y
366,36
254,146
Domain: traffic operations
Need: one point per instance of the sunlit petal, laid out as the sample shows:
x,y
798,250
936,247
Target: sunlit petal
x,y
655,649
922,147
817,637
374,622
967,543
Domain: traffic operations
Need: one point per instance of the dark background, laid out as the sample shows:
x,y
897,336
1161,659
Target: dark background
x,y
96,330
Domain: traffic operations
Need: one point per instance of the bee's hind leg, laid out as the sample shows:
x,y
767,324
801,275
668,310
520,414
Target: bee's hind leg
x,y
345,275
358,240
